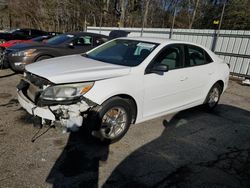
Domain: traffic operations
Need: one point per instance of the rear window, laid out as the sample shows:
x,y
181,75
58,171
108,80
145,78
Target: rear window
x,y
196,56
60,39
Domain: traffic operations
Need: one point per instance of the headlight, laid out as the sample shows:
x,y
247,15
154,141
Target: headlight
x,y
26,53
66,92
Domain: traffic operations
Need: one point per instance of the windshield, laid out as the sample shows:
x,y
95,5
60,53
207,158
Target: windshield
x,y
123,52
59,39
39,39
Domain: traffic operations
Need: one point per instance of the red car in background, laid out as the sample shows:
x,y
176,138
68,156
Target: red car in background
x,y
36,39
11,43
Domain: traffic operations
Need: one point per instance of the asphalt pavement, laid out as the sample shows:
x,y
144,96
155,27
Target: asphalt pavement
x,y
192,148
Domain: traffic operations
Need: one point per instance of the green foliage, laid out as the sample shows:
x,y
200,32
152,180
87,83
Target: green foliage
x,y
236,16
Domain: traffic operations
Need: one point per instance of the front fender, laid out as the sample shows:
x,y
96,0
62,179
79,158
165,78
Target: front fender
x,y
125,85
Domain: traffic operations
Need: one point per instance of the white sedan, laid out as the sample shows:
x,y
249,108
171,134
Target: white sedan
x,y
122,82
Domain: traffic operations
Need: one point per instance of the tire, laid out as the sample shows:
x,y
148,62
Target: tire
x,y
14,69
213,97
3,64
43,58
103,122
1,58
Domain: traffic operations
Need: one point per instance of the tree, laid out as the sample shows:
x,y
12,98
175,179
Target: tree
x,y
72,15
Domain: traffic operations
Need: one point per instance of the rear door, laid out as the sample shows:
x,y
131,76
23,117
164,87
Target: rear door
x,y
199,69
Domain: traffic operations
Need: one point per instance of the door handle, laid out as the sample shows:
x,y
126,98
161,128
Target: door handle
x,y
183,78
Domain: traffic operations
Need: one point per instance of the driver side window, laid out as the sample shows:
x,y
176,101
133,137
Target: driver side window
x,y
83,41
22,32
170,56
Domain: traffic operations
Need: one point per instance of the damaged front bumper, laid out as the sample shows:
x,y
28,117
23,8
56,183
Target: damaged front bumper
x,y
31,108
69,116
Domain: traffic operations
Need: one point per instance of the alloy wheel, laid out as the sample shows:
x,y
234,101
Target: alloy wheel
x,y
114,122
214,97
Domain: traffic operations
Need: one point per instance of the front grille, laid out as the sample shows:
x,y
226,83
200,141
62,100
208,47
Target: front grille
x,y
37,80
33,92
36,84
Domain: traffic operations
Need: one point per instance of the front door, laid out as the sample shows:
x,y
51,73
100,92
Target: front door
x,y
166,91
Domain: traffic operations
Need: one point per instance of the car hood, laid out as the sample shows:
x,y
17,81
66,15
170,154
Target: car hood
x,y
34,45
76,68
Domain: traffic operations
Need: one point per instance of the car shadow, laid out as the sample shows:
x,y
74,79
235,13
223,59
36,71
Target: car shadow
x,y
196,149
8,75
78,164
11,103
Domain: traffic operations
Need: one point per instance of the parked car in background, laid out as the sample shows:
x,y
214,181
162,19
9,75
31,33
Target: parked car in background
x,y
21,34
8,44
65,44
122,82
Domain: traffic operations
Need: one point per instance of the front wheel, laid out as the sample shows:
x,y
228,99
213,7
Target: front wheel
x,y
112,120
213,97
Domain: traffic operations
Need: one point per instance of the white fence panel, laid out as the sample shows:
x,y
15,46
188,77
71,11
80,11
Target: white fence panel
x,y
232,45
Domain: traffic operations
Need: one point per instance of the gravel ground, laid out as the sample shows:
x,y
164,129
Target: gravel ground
x,y
192,148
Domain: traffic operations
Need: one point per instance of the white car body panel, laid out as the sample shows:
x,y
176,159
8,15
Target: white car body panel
x,y
33,110
155,95
75,68
175,88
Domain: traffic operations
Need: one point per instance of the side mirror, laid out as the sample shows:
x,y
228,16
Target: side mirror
x,y
71,45
158,69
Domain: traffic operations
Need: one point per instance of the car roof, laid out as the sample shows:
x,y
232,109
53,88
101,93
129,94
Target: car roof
x,y
150,39
163,41
84,33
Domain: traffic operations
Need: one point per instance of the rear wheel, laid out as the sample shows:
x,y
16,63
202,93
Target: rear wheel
x,y
111,122
213,97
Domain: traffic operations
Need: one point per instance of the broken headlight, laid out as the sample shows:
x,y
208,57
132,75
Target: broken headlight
x,y
66,92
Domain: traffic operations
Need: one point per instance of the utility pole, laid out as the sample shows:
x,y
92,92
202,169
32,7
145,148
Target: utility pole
x,y
172,27
173,22
217,32
145,15
221,17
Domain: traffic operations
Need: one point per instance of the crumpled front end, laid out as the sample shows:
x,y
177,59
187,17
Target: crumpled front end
x,y
68,114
